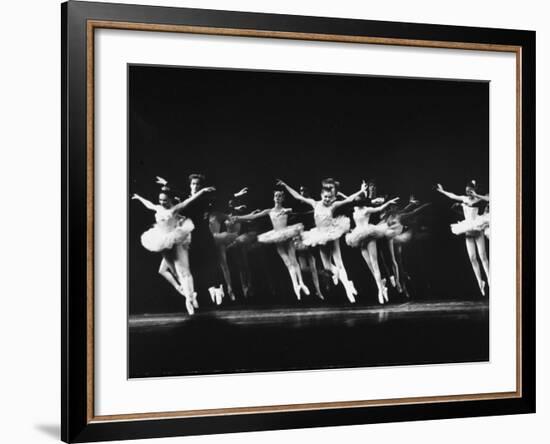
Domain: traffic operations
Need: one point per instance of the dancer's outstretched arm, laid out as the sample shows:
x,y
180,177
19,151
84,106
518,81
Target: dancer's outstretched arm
x,y
351,197
451,195
194,197
481,196
405,217
295,194
251,216
241,192
383,206
148,204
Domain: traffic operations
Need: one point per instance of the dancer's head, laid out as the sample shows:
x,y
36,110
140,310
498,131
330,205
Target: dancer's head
x,y
278,197
471,187
196,182
327,195
164,200
371,189
331,184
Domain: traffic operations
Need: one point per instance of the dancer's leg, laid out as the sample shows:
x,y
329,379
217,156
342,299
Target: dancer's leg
x,y
181,264
402,275
395,265
326,254
289,266
471,248
222,253
291,251
167,271
314,274
372,251
342,274
482,251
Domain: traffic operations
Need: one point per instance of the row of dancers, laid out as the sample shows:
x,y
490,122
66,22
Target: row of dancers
x,y
190,235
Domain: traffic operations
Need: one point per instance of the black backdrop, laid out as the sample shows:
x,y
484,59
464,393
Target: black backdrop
x,y
247,128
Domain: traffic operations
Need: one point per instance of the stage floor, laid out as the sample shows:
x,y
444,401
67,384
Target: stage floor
x,y
235,339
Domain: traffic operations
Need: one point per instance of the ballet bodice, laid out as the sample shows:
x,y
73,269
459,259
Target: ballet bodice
x,y
279,218
165,217
361,216
470,212
323,215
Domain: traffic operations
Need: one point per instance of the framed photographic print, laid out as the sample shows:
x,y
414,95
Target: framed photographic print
x,y
277,221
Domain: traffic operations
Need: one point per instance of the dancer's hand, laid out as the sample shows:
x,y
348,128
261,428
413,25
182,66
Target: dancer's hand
x,y
207,189
135,196
439,187
256,211
239,207
161,181
394,200
281,183
242,192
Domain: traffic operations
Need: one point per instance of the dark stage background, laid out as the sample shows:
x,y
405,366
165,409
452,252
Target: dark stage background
x,y
247,128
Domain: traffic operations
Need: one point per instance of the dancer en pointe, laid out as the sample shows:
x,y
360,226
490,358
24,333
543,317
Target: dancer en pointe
x,y
282,236
364,236
472,227
327,232
171,236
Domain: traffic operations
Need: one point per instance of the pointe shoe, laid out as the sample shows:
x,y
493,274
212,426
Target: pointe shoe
x,y
352,287
380,297
212,291
393,281
320,295
297,292
189,307
349,291
482,288
335,276
231,294
219,296
304,289
385,293
194,300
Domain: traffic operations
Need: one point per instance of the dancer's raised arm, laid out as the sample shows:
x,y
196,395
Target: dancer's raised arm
x,y
148,204
351,197
383,206
295,194
450,195
480,196
194,197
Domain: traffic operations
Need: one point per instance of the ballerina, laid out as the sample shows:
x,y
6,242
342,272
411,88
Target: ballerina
x,y
364,236
171,236
472,227
304,253
282,236
403,224
223,239
485,217
327,232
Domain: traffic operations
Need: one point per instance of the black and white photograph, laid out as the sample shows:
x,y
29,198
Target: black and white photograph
x,y
296,221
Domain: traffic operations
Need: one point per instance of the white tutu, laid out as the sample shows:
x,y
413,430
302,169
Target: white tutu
x,y
471,227
326,233
365,232
279,235
163,236
225,238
